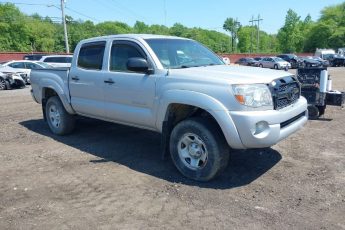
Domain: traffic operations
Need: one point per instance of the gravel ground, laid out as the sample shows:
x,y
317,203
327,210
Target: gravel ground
x,y
107,176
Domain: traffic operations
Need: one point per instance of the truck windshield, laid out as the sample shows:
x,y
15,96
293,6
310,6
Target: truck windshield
x,y
182,53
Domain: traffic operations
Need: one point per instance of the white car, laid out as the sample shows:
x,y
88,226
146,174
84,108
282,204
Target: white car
x,y
58,61
9,80
26,66
274,63
13,71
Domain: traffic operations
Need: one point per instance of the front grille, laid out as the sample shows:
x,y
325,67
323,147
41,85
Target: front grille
x,y
285,91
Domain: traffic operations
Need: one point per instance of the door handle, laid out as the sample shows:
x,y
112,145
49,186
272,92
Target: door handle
x,y
109,81
75,78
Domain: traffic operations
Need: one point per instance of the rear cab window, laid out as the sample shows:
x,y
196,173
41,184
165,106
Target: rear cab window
x,y
91,55
58,59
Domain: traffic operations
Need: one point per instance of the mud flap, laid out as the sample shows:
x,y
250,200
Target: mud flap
x,y
165,137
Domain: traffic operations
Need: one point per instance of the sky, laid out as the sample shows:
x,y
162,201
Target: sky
x,y
206,14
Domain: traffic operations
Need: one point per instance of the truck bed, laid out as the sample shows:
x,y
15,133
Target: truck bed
x,y
51,78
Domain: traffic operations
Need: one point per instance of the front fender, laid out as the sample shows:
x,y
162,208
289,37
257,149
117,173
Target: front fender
x,y
205,102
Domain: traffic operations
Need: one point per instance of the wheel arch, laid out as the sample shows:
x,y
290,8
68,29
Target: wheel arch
x,y
177,105
50,91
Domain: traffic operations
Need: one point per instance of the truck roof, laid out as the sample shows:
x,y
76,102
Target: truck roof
x,y
134,36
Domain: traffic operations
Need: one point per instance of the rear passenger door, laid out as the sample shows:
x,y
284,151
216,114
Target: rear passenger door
x,y
86,80
129,96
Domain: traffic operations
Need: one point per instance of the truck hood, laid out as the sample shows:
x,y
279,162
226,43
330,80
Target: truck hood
x,y
229,74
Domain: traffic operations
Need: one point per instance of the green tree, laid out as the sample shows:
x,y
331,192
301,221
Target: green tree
x,y
290,36
329,30
109,28
140,27
231,25
14,35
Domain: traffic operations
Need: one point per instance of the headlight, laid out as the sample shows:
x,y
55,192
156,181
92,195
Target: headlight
x,y
253,95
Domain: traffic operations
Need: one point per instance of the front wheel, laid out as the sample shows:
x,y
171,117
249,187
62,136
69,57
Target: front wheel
x,y
275,66
198,149
59,120
261,66
313,112
3,84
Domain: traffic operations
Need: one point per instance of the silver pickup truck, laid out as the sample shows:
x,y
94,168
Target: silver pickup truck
x,y
177,87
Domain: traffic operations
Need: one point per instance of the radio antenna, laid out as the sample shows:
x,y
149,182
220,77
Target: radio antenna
x,y
165,13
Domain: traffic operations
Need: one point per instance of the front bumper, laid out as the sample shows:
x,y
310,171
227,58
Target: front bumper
x,y
283,66
260,129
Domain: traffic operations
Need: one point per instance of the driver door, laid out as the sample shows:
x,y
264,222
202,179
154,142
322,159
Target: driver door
x,y
129,96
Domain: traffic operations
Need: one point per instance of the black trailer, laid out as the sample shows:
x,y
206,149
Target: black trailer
x,y
313,88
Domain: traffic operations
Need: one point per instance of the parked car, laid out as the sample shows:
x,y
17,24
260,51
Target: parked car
x,y
33,57
274,63
258,59
11,80
226,60
324,63
26,66
10,70
308,62
203,108
292,59
335,60
247,62
59,61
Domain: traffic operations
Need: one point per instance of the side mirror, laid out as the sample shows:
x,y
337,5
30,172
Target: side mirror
x,y
138,64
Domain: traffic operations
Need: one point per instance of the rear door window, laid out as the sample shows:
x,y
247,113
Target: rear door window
x,y
91,55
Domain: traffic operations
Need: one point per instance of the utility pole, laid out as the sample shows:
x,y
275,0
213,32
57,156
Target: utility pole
x,y
252,35
64,25
258,20
258,38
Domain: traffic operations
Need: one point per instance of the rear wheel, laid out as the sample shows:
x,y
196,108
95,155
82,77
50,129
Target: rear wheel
x,y
198,149
59,120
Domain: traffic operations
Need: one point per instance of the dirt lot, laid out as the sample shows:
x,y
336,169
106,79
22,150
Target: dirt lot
x,y
107,176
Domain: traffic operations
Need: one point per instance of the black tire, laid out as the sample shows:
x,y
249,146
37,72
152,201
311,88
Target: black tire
x,y
66,121
8,85
261,66
275,66
3,84
215,145
20,84
321,109
313,112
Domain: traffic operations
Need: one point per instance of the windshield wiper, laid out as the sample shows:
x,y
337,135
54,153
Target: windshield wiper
x,y
185,66
188,66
